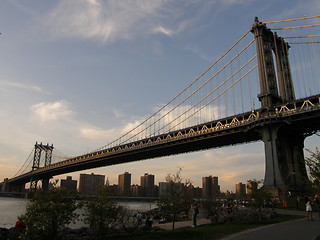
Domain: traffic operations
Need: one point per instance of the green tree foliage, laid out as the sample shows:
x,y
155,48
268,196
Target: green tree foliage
x,y
102,214
176,197
48,213
313,165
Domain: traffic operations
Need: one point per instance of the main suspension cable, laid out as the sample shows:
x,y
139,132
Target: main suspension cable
x,y
294,19
296,27
210,79
25,164
185,89
209,94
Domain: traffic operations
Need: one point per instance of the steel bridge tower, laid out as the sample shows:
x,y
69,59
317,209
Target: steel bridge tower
x,y
38,150
285,166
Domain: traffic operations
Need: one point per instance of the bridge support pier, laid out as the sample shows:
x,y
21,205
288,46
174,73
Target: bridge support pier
x,y
285,165
45,184
4,186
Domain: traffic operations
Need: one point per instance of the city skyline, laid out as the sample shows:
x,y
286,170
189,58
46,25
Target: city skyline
x,y
79,75
89,185
145,180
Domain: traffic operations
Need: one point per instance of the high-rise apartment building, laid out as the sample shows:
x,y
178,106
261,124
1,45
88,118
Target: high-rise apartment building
x,y
163,189
135,190
90,183
124,184
240,189
210,187
252,186
69,184
147,185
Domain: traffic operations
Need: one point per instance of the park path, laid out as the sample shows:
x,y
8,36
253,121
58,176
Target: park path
x,y
300,229
182,224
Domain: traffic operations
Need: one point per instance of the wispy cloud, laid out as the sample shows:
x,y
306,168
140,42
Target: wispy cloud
x,y
24,86
103,20
299,9
162,30
110,20
90,132
52,111
118,113
200,54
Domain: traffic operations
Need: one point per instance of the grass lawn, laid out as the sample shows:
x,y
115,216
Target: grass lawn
x,y
205,232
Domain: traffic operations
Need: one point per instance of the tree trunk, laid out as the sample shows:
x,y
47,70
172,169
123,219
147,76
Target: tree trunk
x,y
173,220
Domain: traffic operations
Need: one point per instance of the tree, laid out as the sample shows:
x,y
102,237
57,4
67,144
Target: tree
x,y
49,212
127,220
313,165
102,214
176,198
258,195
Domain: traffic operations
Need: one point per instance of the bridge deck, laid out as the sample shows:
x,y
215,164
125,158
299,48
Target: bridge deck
x,y
302,115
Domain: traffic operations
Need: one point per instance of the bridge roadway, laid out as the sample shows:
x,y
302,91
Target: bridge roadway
x,y
301,115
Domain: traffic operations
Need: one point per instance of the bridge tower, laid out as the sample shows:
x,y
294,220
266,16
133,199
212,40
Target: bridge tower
x,y
285,165
38,150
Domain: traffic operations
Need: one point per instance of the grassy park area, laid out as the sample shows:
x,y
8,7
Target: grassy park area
x,y
205,232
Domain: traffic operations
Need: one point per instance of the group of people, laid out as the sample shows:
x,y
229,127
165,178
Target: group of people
x,y
148,220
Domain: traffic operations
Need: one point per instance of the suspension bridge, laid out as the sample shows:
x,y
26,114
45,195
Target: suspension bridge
x,y
265,87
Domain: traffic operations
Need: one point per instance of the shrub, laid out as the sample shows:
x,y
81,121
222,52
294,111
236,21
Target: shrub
x,y
48,213
101,213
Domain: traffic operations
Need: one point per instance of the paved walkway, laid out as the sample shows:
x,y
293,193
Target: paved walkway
x,y
182,224
294,230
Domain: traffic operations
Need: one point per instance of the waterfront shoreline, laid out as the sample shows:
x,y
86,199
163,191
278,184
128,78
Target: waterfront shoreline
x,y
12,207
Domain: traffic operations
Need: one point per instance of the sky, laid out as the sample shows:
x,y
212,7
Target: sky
x,y
78,74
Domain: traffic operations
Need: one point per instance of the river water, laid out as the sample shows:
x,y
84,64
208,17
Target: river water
x,y
11,208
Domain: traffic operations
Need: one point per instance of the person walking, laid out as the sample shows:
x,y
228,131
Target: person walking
x,y
309,210
195,213
317,201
